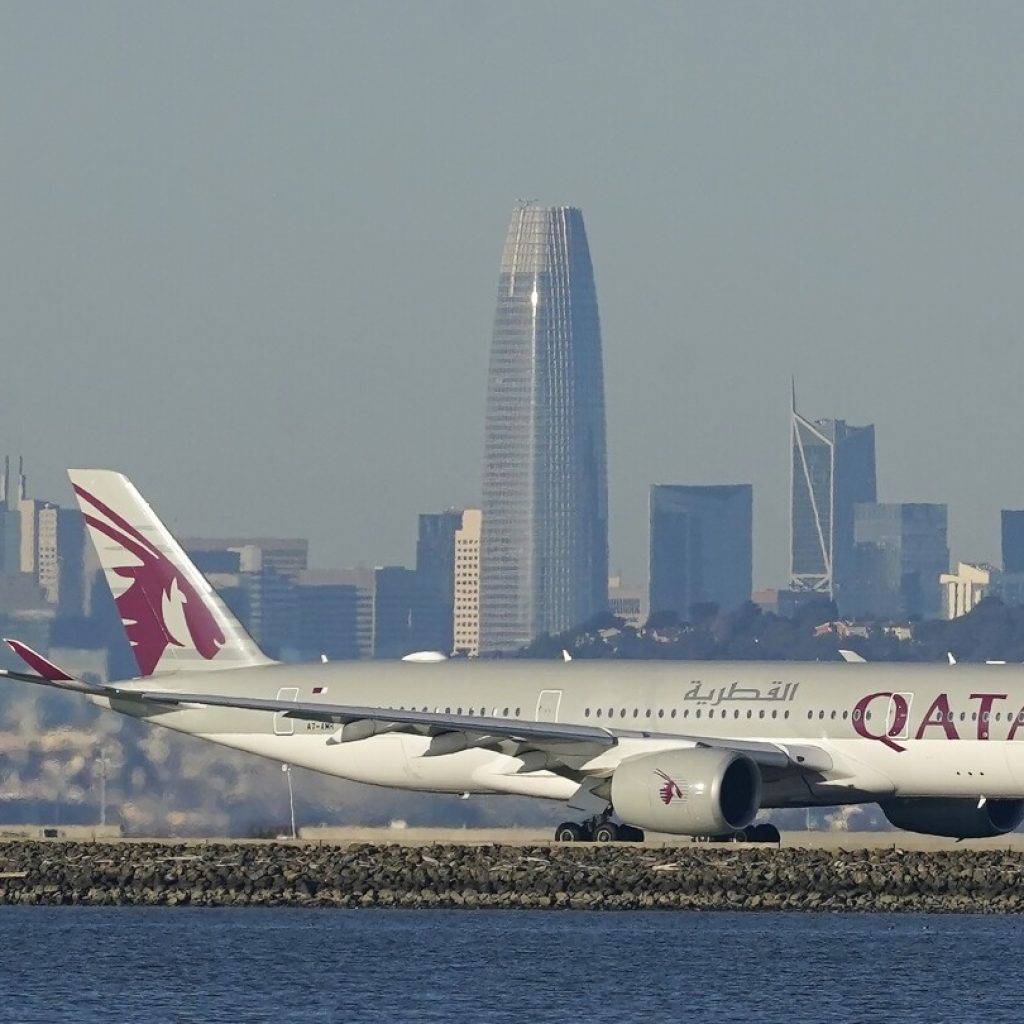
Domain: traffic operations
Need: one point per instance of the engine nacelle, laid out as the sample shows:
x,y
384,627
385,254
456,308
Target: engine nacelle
x,y
701,791
954,818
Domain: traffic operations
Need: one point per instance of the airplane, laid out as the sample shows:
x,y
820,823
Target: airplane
x,y
685,748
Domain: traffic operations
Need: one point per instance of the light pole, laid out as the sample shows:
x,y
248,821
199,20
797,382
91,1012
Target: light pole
x,y
287,769
101,764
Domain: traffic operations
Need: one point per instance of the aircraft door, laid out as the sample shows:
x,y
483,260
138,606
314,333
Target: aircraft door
x,y
897,716
548,702
285,726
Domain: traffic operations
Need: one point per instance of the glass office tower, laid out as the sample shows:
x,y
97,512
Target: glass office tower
x,y
544,545
833,469
701,547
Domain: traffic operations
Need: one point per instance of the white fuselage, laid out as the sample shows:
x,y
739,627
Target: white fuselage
x,y
869,731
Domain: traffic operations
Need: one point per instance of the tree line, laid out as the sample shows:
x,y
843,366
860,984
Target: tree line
x,y
992,631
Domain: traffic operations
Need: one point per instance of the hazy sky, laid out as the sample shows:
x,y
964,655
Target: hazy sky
x,y
250,250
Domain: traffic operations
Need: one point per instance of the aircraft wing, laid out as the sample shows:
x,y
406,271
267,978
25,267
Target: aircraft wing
x,y
574,741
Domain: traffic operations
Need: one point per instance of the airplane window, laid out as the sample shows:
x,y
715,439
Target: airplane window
x,y
673,713
750,714
951,716
686,713
998,715
459,712
505,712
447,711
786,715
698,713
984,717
517,712
711,713
867,716
821,714
598,712
833,716
636,712
586,714
622,713
661,712
736,714
760,713
810,714
963,716
611,711
648,713
845,715
974,716
775,713
470,712
856,715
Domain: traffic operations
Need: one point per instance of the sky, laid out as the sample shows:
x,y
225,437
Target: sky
x,y
250,250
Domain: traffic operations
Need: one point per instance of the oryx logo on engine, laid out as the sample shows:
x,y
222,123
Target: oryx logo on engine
x,y
670,790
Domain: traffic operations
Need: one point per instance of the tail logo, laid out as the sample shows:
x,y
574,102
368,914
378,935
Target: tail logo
x,y
160,607
670,789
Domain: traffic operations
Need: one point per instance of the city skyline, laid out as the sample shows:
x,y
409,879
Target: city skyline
x,y
310,239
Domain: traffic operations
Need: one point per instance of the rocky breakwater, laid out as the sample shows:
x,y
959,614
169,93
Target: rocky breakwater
x,y
593,877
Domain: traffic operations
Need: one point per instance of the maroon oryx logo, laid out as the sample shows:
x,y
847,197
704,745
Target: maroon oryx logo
x,y
670,790
157,588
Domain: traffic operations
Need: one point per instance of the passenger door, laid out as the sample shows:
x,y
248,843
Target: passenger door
x,y
548,702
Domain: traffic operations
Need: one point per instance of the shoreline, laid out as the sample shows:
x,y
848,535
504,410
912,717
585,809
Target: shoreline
x,y
492,876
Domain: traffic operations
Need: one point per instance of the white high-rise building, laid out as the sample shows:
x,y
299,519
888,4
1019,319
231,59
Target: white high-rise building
x,y
467,583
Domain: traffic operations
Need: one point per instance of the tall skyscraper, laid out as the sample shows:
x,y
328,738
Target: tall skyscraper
x,y
701,547
833,469
1013,539
544,548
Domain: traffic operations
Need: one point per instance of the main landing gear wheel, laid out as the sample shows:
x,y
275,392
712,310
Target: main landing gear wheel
x,y
765,833
570,832
606,832
629,834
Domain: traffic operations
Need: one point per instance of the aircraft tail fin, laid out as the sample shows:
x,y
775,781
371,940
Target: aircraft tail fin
x,y
172,616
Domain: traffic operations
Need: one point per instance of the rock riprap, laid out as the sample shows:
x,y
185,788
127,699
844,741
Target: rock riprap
x,y
619,877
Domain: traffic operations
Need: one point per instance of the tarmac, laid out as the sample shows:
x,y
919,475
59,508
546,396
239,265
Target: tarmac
x,y
421,836
811,840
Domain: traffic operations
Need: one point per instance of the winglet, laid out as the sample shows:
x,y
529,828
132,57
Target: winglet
x,y
35,661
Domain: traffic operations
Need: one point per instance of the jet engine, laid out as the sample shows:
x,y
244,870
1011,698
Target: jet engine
x,y
955,818
699,791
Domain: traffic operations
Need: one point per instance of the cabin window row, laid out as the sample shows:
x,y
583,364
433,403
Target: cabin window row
x,y
676,713
473,712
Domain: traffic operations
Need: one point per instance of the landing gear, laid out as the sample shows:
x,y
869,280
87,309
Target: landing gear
x,y
764,833
570,832
597,830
